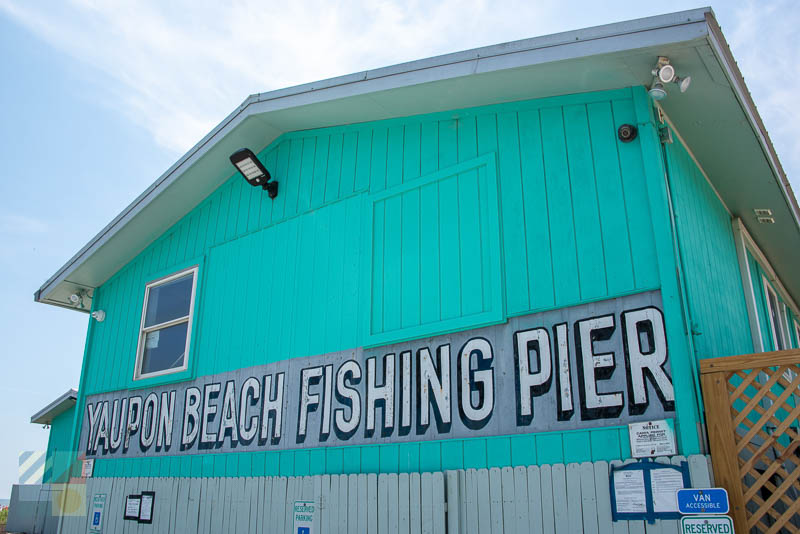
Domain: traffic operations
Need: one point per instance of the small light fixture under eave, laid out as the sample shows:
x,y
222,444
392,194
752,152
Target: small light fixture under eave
x,y
76,299
664,73
251,168
657,91
764,215
99,316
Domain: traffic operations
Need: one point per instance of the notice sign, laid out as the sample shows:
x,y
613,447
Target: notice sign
x,y
706,524
305,517
629,492
652,438
146,507
87,468
132,505
666,483
646,490
96,514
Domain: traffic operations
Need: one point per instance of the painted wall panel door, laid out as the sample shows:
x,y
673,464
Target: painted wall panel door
x,y
435,260
708,259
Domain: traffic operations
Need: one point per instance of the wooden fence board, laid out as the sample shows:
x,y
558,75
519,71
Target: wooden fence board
x,y
589,499
383,505
335,506
362,517
372,503
548,511
403,503
559,474
392,501
521,519
453,501
484,511
573,502
471,500
344,502
508,499
353,502
415,505
277,516
437,487
427,506
325,503
495,500
535,504
462,491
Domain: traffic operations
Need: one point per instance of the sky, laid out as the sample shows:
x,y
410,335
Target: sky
x,y
98,99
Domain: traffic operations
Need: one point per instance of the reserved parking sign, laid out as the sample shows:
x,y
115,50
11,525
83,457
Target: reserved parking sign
x,y
305,517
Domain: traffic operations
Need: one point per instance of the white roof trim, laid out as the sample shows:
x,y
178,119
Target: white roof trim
x,y
550,48
63,403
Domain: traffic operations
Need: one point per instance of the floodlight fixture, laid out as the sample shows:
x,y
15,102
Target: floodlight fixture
x,y
664,73
657,90
254,171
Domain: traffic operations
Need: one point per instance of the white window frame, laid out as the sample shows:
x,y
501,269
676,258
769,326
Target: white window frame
x,y
137,374
796,334
779,329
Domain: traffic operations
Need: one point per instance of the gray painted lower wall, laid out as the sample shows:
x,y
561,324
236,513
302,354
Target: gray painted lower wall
x,y
540,499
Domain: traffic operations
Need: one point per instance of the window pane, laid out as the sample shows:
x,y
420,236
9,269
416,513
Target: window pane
x,y
164,348
796,335
776,320
169,301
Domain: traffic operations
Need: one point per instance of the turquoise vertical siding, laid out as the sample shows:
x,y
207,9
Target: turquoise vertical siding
x,y
59,448
392,230
714,290
435,254
757,276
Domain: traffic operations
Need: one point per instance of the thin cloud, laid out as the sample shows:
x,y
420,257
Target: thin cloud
x,y
177,68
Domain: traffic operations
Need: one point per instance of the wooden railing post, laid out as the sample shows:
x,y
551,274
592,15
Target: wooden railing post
x,y
724,456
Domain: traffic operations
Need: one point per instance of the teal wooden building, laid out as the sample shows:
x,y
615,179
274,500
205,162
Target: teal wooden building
x,y
434,222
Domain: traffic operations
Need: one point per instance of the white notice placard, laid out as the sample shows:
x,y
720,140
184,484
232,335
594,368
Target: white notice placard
x,y
132,504
652,438
305,517
665,484
146,507
629,492
87,468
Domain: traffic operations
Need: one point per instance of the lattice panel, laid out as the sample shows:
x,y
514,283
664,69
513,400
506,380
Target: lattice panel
x,y
763,437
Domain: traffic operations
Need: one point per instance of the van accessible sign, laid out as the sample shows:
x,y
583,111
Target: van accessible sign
x,y
703,501
605,363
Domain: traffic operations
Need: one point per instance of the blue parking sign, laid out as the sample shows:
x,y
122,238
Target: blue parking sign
x,y
703,501
303,530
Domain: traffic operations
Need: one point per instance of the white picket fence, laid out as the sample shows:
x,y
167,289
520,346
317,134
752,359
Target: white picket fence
x,y
561,499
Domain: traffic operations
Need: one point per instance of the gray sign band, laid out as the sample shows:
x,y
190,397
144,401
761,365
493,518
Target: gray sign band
x,y
587,366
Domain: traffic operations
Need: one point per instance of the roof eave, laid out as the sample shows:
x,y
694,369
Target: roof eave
x,y
63,403
722,49
559,46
